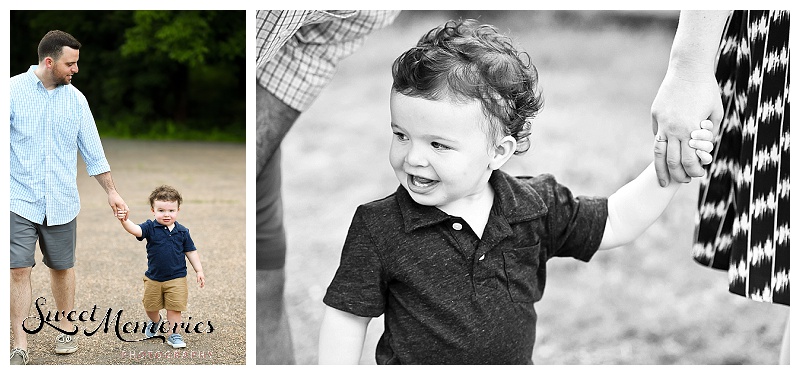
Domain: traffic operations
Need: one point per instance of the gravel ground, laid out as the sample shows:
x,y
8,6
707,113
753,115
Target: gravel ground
x,y
110,262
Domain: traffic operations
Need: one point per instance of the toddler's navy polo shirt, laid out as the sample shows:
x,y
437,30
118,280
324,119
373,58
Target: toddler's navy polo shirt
x,y
165,258
448,296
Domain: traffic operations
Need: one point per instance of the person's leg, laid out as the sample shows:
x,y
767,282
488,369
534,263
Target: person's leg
x,y
153,316
785,354
176,297
62,284
23,235
174,337
20,304
273,336
174,318
152,302
57,243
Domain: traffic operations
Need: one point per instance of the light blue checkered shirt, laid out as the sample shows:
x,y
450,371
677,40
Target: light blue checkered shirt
x,y
48,128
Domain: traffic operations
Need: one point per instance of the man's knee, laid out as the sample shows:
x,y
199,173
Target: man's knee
x,y
21,274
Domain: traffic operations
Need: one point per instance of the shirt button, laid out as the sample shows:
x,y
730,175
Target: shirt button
x,y
457,226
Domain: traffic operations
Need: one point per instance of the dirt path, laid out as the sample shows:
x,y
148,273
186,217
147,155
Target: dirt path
x,y
111,263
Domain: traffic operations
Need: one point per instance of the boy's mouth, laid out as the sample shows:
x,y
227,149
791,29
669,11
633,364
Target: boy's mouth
x,y
421,185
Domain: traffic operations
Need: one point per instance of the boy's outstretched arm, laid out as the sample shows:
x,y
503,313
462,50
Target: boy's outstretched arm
x,y
637,205
129,226
194,259
341,337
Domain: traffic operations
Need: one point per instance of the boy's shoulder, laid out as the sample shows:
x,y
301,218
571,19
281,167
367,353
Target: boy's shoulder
x,y
523,185
523,197
381,207
180,227
545,184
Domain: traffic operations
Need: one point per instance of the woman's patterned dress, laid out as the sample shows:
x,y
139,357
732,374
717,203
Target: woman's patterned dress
x,y
743,213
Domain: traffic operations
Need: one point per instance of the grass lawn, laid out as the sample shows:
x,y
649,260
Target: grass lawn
x,y
645,303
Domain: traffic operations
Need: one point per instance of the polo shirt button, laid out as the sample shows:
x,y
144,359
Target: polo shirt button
x,y
457,226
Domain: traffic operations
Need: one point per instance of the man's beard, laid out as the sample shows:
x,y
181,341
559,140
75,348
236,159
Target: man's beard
x,y
59,81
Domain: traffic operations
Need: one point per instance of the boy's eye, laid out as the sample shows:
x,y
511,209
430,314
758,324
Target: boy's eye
x,y
439,146
400,136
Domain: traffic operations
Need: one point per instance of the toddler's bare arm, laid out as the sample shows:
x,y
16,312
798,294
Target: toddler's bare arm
x,y
341,337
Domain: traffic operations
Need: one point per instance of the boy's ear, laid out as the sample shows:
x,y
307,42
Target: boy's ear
x,y
503,151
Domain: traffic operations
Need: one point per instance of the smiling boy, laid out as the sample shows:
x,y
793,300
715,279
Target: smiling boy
x,y
455,258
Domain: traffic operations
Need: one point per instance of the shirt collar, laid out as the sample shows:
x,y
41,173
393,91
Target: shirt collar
x,y
33,77
38,82
513,200
178,226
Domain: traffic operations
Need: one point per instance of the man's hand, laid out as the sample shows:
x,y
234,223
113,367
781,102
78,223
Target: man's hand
x,y
114,200
118,206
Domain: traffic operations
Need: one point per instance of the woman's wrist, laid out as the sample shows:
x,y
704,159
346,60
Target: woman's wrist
x,y
688,67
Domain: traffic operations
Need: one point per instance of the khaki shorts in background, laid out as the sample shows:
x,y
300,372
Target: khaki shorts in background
x,y
171,294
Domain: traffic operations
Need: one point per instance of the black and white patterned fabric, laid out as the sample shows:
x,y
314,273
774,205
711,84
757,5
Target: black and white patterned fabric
x,y
743,216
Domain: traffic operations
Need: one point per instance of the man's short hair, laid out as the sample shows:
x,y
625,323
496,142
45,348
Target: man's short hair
x,y
53,43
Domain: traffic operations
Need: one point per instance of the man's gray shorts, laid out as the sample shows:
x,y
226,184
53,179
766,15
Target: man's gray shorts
x,y
57,243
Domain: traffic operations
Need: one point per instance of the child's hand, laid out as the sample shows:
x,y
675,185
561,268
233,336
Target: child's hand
x,y
122,215
703,142
201,279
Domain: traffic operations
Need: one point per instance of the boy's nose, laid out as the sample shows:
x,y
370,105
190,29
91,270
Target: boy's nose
x,y
415,158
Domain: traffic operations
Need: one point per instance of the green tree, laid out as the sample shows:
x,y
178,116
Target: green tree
x,y
154,74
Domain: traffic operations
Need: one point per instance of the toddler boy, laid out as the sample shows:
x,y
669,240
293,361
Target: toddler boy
x,y
168,246
455,258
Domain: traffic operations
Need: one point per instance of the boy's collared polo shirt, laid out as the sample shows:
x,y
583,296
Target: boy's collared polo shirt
x,y
448,296
165,250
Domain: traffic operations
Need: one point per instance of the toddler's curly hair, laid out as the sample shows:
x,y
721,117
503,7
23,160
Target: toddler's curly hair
x,y
165,193
464,60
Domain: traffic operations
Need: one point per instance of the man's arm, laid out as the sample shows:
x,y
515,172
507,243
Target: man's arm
x,y
273,120
114,199
341,337
689,93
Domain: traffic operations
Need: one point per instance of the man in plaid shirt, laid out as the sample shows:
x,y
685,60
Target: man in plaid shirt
x,y
297,55
50,124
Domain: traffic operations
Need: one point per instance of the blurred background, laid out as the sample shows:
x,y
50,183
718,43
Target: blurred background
x,y
645,303
150,74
